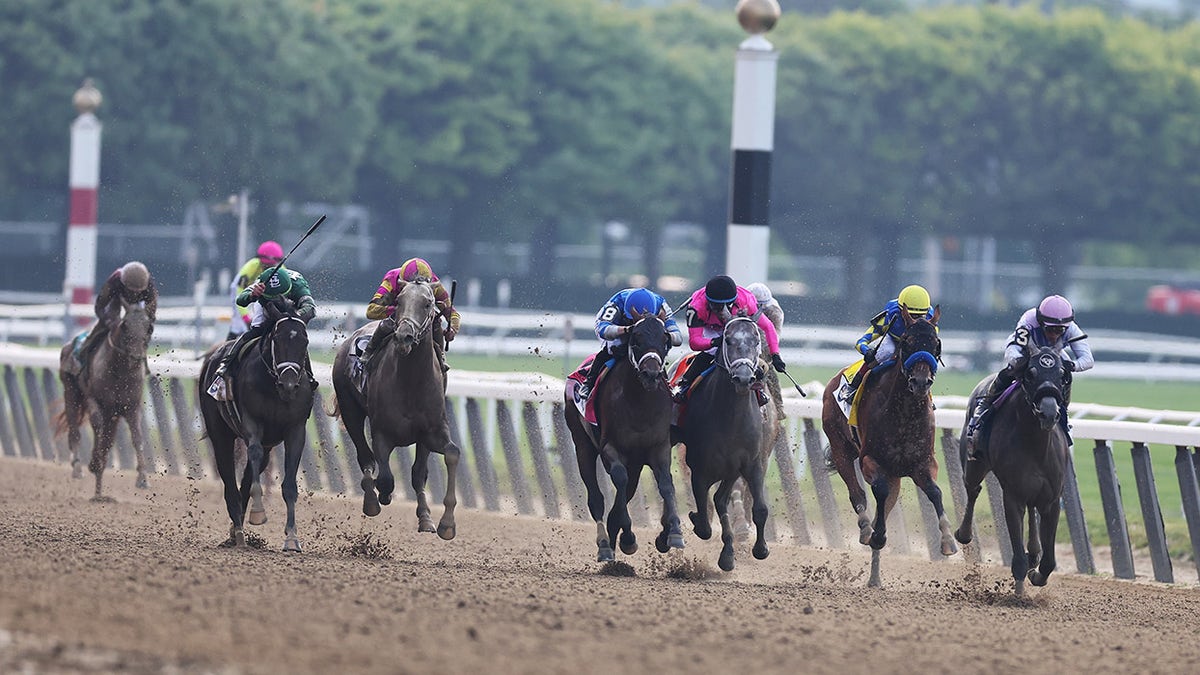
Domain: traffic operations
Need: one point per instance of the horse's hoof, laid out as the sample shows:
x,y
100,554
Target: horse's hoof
x,y
874,583
237,538
878,541
605,554
699,526
660,543
725,562
1019,587
948,547
386,499
426,525
628,543
142,483
865,534
675,540
963,538
257,517
761,552
77,471
1036,578
291,544
370,505
447,531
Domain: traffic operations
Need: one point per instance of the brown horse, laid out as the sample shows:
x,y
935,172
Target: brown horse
x,y
1026,448
896,430
107,389
723,427
634,409
272,400
406,403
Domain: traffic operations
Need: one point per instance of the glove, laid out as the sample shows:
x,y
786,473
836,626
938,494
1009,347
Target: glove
x,y
1068,366
449,333
716,342
777,362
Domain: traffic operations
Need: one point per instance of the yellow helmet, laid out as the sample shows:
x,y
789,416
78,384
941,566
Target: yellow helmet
x,y
914,299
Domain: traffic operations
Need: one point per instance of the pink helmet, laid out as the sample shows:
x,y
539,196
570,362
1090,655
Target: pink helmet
x,y
416,268
1055,311
270,252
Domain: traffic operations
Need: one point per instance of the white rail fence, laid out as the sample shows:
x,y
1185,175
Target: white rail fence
x,y
517,455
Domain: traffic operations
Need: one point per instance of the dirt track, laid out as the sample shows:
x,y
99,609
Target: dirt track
x,y
141,585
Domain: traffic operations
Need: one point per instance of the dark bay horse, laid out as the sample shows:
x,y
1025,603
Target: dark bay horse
x,y
1026,448
271,403
634,411
406,403
107,389
724,430
896,434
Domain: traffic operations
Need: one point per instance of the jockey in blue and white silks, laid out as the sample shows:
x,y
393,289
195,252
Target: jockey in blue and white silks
x,y
614,320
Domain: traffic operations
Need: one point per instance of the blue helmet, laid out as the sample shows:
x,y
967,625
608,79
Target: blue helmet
x,y
640,301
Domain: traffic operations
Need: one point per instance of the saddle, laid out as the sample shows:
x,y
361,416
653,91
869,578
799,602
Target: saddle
x,y
587,409
219,388
850,408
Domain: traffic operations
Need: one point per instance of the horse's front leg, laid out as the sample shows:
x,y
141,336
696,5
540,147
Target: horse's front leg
x,y
930,487
1014,512
721,502
223,451
1048,529
420,475
134,420
252,490
671,535
618,515
293,448
106,431
700,522
383,482
758,509
1033,544
585,458
881,487
447,528
973,475
842,453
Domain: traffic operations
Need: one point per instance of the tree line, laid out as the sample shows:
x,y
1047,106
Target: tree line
x,y
533,121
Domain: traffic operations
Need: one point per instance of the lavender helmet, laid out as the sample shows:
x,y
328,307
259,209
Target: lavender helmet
x,y
1055,311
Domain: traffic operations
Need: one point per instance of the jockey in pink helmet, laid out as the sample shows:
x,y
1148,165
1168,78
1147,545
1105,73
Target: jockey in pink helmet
x,y
383,305
1050,324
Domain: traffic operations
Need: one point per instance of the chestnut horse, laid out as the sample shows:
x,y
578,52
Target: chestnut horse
x,y
107,389
406,402
896,436
1025,445
271,402
723,427
633,408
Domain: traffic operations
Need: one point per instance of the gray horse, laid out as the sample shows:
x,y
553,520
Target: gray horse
x,y
107,389
272,400
405,401
723,428
1025,445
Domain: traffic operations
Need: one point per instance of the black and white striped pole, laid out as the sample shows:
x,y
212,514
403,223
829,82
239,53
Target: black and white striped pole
x,y
748,240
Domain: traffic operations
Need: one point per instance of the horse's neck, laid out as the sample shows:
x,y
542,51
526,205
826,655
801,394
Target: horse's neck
x,y
894,387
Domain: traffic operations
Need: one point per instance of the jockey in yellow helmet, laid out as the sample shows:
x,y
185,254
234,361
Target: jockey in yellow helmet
x,y
878,344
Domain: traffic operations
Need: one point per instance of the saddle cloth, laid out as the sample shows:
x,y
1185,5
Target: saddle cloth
x,y
587,409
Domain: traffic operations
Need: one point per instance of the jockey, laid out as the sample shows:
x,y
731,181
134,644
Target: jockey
x,y
771,309
1050,324
270,253
271,285
132,284
886,327
708,310
383,305
614,321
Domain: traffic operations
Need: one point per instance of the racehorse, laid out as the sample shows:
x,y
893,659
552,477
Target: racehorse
x,y
896,436
634,411
271,402
107,388
406,403
723,428
1026,447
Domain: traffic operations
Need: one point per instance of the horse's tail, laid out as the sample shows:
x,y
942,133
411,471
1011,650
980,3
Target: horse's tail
x,y
71,414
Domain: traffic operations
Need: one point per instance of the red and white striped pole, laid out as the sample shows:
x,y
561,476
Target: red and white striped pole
x,y
80,279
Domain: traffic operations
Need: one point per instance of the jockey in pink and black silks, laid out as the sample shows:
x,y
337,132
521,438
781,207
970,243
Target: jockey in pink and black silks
x,y
383,306
708,310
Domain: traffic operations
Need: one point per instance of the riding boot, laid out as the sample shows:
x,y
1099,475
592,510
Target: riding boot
x,y
585,389
846,393
84,355
699,364
229,361
983,408
383,331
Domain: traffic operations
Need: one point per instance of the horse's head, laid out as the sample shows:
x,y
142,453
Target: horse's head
x,y
415,310
131,336
740,346
920,348
287,348
648,344
1041,380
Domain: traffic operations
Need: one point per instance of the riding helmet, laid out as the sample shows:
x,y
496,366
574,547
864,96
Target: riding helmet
x,y
270,252
416,269
1055,311
278,282
914,299
640,301
720,290
135,276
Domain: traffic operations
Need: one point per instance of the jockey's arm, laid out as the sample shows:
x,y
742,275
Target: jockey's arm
x,y
768,329
382,305
607,326
1081,351
443,300
878,328
151,301
110,289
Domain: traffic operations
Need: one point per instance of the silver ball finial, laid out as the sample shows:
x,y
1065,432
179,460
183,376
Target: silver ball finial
x,y
757,16
88,98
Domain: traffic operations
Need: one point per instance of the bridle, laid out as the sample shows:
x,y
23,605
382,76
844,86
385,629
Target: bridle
x,y
419,329
920,355
650,354
749,361
275,367
1043,360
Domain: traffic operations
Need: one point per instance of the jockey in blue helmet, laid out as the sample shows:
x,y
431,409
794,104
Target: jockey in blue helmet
x,y
614,320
